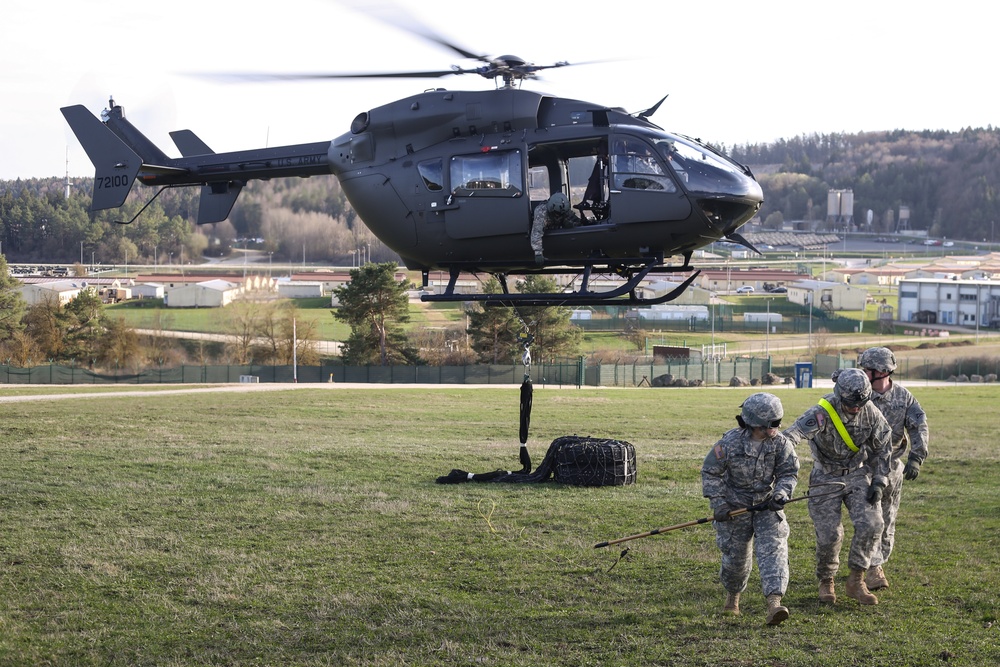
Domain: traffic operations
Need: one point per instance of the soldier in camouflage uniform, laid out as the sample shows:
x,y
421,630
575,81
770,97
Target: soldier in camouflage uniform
x,y
861,464
752,464
555,212
909,425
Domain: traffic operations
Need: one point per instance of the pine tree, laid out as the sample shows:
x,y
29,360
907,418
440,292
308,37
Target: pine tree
x,y
12,304
375,306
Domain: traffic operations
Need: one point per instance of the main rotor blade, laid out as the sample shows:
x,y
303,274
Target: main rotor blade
x,y
316,76
394,15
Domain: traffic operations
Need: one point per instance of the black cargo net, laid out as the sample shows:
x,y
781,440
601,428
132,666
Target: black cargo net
x,y
571,459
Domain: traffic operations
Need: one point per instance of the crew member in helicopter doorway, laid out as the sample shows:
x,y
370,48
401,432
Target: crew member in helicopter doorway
x,y
553,213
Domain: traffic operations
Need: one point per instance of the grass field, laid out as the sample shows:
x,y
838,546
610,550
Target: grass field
x,y
302,526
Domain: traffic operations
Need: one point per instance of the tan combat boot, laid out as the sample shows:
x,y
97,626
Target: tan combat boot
x,y
826,592
875,579
856,588
775,612
732,604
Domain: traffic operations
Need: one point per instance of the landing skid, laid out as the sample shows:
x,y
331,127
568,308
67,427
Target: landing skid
x,y
623,295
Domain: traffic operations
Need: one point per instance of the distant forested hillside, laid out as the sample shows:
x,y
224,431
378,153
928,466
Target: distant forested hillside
x,y
292,218
949,181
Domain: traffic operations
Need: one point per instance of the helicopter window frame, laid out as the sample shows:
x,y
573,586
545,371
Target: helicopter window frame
x,y
432,174
487,174
636,166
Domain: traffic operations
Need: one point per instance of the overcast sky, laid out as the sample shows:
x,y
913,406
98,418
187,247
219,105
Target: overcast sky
x,y
736,71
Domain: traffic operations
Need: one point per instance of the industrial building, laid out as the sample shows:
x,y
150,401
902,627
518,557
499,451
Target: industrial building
x,y
967,303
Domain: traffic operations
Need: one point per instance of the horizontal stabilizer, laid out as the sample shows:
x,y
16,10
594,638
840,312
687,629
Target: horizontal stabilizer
x,y
115,164
189,144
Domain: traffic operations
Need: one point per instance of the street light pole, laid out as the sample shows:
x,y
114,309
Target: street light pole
x,y
809,300
979,311
767,331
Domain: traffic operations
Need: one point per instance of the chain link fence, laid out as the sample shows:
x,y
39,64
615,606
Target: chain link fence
x,y
575,372
561,373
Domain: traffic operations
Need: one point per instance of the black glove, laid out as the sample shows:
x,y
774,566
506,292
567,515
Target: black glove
x,y
874,494
912,468
777,503
722,512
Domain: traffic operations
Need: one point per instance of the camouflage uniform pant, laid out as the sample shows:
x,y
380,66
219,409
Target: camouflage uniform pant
x,y
767,534
890,508
538,223
825,512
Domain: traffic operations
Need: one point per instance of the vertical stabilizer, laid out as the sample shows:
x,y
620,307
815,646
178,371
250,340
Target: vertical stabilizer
x,y
115,164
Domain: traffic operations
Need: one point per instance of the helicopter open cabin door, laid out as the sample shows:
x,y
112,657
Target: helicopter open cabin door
x,y
643,188
487,194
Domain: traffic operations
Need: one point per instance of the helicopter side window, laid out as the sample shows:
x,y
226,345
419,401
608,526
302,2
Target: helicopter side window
x,y
432,174
487,174
636,167
538,183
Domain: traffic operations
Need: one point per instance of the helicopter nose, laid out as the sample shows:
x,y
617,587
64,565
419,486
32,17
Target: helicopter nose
x,y
726,215
728,211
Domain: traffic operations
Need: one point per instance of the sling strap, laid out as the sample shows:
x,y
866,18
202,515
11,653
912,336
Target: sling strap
x,y
841,429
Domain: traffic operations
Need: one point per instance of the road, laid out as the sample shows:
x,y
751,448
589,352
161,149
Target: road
x,y
324,347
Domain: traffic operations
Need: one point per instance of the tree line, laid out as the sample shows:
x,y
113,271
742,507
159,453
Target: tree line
x,y
948,180
291,217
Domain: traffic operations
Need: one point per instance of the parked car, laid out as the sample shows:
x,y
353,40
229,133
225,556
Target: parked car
x,y
745,289
778,290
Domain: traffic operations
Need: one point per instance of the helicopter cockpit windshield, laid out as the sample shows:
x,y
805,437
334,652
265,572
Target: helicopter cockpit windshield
x,y
702,170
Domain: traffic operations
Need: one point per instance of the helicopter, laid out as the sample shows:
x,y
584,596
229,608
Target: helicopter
x,y
450,180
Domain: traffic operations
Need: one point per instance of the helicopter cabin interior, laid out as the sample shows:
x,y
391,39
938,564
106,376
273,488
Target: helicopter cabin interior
x,y
588,174
578,169
584,169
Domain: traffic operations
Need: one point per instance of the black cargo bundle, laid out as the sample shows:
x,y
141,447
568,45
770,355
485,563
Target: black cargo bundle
x,y
571,459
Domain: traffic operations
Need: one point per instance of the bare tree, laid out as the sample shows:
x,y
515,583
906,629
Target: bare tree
x,y
243,324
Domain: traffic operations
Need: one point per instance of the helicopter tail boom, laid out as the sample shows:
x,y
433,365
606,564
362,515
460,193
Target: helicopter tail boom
x,y
121,154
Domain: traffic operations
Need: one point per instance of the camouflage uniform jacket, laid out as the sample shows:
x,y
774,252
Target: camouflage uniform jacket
x,y
541,221
742,472
868,429
907,420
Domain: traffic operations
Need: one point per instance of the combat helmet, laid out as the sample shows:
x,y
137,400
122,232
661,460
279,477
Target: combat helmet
x,y
762,410
853,388
557,204
879,359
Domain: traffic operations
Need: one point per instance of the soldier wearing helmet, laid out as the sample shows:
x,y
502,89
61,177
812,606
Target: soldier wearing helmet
x,y
752,464
554,213
909,429
850,442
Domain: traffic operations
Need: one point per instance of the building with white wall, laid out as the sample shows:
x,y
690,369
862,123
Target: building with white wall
x,y
52,291
830,296
207,294
967,303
